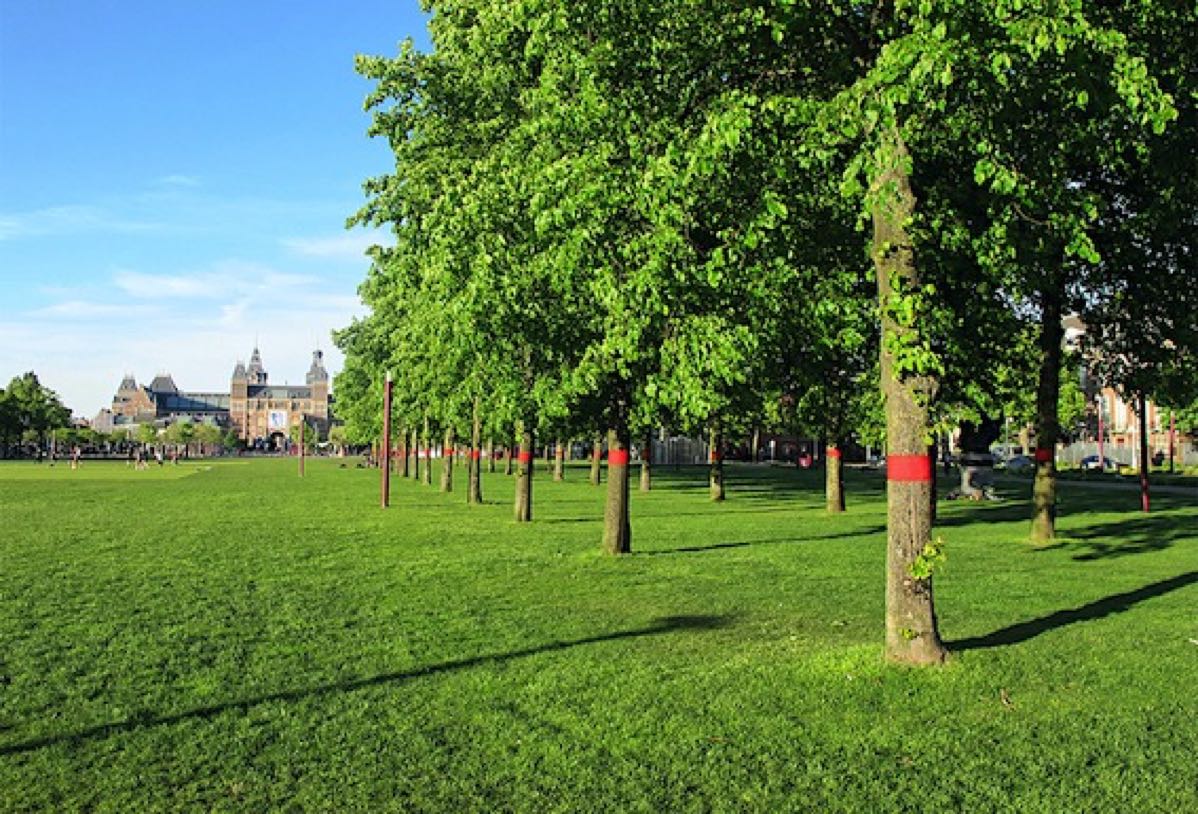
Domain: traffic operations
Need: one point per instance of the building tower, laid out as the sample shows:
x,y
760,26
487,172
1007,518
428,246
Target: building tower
x,y
239,400
255,372
318,380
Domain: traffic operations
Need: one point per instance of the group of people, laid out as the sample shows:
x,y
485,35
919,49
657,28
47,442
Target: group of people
x,y
139,458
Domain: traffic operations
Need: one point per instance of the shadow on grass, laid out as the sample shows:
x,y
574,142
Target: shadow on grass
x,y
669,624
1108,605
691,549
1124,538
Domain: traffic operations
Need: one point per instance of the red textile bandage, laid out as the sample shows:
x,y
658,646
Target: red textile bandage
x,y
909,468
833,452
617,457
525,456
1043,456
475,454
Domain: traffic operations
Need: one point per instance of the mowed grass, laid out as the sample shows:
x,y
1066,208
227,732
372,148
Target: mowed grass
x,y
229,637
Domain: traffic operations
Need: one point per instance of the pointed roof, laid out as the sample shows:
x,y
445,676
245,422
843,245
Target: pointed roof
x,y
255,361
239,371
317,372
163,383
127,384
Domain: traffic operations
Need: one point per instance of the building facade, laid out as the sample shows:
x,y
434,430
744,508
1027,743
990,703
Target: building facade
x,y
260,413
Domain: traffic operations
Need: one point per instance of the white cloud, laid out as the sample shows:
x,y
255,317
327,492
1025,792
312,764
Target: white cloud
x,y
86,310
231,278
71,219
351,246
82,348
188,181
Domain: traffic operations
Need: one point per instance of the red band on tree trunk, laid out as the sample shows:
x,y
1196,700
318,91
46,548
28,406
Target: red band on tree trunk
x,y
716,456
617,457
833,452
909,468
1043,456
475,454
525,456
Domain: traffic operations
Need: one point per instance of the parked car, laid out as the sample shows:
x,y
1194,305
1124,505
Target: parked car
x,y
1090,464
1019,463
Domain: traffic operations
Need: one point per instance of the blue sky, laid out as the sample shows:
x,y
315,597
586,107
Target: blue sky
x,y
174,183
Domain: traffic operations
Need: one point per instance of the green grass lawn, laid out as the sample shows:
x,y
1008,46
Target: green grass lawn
x,y
226,636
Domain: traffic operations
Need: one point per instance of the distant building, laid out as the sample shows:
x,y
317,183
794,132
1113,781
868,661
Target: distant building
x,y
262,414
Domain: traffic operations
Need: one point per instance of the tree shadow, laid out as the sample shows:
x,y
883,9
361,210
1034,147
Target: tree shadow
x,y
1108,605
983,512
1124,538
866,532
669,624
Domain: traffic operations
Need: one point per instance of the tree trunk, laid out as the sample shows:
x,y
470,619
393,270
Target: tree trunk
x,y
490,456
426,448
1044,488
1142,409
510,453
716,465
403,454
833,480
647,462
415,454
596,458
523,507
447,462
754,443
559,460
617,532
474,485
912,635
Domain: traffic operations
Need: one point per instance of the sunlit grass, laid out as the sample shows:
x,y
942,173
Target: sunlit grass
x,y
228,636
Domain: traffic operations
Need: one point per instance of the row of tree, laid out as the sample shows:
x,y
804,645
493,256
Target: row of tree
x,y
610,217
29,411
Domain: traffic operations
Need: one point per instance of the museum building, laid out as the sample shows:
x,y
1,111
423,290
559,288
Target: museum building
x,y
260,413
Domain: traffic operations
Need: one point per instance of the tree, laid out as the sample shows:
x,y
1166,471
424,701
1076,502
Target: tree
x,y
31,408
147,434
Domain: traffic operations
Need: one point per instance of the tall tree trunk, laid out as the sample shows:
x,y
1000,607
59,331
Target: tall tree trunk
x,y
912,635
523,507
647,462
426,448
617,531
474,486
511,453
755,442
716,465
447,462
491,456
415,454
403,454
596,457
559,460
1044,488
833,480
1142,409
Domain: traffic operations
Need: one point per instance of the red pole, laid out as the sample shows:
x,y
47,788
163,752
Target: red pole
x,y
1144,460
1172,430
386,450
